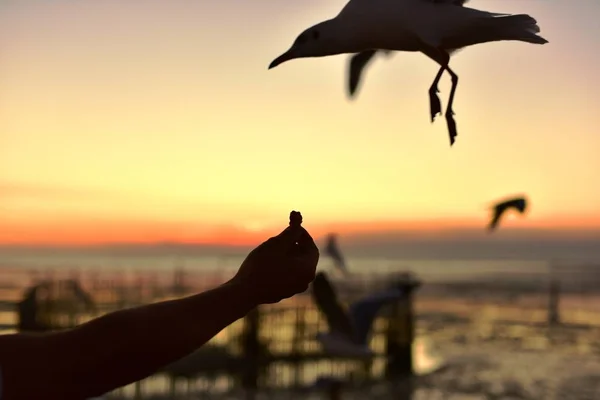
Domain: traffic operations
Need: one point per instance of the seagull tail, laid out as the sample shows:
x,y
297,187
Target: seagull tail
x,y
519,27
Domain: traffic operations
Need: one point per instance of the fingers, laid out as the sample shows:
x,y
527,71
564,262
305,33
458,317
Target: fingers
x,y
305,264
292,241
306,236
301,286
291,234
286,240
307,244
298,248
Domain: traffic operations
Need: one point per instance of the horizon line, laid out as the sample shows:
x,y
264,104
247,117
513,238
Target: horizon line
x,y
443,234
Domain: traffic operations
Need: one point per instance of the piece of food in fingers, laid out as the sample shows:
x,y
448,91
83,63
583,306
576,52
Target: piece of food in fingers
x,y
296,221
295,218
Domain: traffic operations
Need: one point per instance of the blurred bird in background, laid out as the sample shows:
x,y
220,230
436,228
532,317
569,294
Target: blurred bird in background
x,y
517,203
332,250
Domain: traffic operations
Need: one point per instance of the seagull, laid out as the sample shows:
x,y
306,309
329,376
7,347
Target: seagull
x,y
435,28
348,330
518,203
333,251
358,62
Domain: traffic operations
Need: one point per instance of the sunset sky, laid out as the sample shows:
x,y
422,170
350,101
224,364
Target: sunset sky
x,y
130,120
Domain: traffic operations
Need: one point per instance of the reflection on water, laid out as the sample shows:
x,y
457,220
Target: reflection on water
x,y
498,360
425,359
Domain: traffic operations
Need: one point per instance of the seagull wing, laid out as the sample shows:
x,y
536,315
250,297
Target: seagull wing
x,y
497,213
326,300
518,203
459,3
357,64
83,296
454,2
364,311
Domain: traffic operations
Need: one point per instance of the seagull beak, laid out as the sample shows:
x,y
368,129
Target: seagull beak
x,y
288,55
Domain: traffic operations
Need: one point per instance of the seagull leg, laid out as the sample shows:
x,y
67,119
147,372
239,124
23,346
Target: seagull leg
x,y
434,101
449,111
442,57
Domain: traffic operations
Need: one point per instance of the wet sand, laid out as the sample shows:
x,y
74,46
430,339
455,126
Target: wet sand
x,y
514,361
495,360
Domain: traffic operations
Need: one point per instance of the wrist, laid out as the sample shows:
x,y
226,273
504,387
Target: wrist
x,y
245,292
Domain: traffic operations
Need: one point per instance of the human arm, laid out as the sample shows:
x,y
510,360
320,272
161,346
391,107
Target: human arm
x,y
118,348
129,345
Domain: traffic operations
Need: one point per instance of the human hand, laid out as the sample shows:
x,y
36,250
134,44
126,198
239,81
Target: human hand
x,y
281,267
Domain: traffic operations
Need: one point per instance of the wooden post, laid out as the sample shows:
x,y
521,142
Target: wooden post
x,y
297,350
137,395
251,350
554,302
400,333
31,316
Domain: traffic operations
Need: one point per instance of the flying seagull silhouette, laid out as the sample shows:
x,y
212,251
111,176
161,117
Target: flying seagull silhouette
x,y
349,331
432,27
333,251
518,203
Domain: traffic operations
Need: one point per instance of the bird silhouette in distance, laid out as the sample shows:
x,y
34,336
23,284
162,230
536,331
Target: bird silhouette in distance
x,y
349,330
332,250
500,208
435,28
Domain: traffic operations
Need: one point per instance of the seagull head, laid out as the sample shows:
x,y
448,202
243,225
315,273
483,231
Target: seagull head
x,y
320,40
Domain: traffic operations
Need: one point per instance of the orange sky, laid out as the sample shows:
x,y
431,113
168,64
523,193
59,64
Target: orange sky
x,y
151,121
89,231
